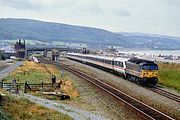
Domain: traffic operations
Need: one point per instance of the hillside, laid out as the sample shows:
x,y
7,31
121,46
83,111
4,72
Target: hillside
x,y
49,32
152,41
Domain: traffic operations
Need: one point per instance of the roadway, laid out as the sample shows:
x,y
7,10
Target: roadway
x,y
6,71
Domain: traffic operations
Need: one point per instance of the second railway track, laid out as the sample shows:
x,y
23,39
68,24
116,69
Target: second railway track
x,y
139,106
166,94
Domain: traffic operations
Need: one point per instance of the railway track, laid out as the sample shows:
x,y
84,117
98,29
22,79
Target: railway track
x,y
166,94
137,105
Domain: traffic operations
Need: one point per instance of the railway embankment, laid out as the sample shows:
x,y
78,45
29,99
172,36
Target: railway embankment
x,y
153,99
14,107
32,72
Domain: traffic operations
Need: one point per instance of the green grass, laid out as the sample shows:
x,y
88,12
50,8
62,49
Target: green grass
x,y
169,75
4,115
30,77
23,109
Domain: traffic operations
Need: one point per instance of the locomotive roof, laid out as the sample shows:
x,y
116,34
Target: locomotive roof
x,y
140,61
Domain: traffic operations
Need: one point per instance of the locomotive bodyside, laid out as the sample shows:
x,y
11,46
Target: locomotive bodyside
x,y
142,71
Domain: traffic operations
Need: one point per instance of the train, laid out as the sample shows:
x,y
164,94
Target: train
x,y
141,71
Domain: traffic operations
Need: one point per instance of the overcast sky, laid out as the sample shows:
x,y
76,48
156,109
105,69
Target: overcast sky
x,y
147,16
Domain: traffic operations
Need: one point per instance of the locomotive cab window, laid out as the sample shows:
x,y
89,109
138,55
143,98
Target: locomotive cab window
x,y
150,67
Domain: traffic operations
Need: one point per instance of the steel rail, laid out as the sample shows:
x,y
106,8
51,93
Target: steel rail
x,y
165,93
139,106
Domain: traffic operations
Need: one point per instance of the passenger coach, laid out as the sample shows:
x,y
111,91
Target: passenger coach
x,y
138,70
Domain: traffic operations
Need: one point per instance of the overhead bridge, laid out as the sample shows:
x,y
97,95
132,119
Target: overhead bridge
x,y
45,50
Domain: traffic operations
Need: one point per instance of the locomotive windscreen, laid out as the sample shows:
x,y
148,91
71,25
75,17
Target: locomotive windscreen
x,y
150,67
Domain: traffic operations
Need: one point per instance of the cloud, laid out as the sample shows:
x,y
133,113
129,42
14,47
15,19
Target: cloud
x,y
121,12
56,4
113,15
20,4
88,8
175,3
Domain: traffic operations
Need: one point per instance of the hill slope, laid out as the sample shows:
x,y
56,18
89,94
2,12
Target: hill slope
x,y
49,32
45,31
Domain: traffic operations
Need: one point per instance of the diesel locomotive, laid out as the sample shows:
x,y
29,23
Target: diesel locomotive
x,y
141,71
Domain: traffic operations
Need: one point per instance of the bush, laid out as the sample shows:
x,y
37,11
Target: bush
x,y
4,116
0,97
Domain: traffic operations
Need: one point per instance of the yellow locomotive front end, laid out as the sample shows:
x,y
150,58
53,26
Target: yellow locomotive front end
x,y
144,72
149,73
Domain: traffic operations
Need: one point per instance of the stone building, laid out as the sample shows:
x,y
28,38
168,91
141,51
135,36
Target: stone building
x,y
20,49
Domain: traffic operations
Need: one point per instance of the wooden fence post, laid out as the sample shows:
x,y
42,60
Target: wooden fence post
x,y
1,84
42,84
16,89
25,87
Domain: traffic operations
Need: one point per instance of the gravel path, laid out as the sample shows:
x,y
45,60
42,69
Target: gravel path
x,y
75,113
9,69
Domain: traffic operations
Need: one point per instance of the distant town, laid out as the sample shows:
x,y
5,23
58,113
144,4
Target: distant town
x,y
20,49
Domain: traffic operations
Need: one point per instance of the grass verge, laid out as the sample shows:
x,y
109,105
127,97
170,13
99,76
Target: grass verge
x,y
32,73
23,109
169,75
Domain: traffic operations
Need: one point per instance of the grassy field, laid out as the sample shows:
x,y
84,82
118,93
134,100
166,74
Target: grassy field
x,y
169,75
37,73
33,73
22,109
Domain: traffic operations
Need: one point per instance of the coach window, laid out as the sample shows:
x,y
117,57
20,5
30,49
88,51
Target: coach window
x,y
121,64
105,61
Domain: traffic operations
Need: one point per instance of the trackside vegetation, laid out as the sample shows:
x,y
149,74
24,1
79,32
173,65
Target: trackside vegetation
x,y
169,75
23,109
12,108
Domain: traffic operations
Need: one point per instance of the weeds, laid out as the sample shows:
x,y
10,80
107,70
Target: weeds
x,y
23,109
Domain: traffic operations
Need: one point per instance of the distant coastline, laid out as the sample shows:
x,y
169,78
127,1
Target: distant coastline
x,y
152,52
